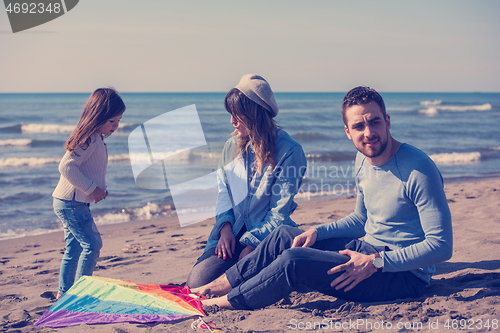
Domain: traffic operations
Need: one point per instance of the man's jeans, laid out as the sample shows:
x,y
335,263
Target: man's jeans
x,y
83,241
273,270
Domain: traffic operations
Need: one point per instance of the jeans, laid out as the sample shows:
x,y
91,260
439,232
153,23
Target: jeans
x,y
209,266
273,270
83,241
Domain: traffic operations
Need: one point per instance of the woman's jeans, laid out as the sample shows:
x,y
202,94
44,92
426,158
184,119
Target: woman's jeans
x,y
210,266
273,270
83,241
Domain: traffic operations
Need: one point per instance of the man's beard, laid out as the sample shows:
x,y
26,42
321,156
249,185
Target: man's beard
x,y
372,153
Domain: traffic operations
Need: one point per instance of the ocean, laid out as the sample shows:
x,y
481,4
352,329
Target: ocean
x,y
458,130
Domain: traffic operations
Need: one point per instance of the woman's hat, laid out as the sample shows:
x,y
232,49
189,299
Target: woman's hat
x,y
256,88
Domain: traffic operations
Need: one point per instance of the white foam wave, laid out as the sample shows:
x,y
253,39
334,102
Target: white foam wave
x,y
149,211
9,234
35,162
431,103
456,158
27,161
483,107
119,158
112,218
429,111
434,110
15,142
47,128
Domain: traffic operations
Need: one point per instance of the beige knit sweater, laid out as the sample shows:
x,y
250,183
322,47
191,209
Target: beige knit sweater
x,y
80,175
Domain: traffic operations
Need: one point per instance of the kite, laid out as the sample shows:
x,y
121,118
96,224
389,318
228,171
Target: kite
x,y
98,300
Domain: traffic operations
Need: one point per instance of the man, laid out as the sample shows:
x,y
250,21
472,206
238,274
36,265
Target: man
x,y
401,211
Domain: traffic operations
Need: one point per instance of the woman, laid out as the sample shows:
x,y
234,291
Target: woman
x,y
260,171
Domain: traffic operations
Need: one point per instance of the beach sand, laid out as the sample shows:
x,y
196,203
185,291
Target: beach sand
x,y
463,291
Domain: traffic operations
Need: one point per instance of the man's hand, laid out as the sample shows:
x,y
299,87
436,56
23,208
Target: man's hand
x,y
245,251
225,246
305,239
98,194
359,268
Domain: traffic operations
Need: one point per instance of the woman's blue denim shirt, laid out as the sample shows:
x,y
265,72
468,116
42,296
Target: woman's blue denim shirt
x,y
260,201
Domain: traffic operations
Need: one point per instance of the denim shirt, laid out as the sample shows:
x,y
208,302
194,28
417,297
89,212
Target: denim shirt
x,y
260,201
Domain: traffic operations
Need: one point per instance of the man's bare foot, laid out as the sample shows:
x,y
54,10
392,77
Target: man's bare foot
x,y
221,302
59,295
218,287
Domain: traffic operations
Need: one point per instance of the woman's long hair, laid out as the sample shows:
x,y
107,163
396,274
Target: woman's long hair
x,y
102,105
260,125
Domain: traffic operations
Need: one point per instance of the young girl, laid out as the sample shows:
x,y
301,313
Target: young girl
x,y
83,172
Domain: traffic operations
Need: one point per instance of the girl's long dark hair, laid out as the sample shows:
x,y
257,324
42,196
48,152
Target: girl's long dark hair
x,y
261,127
102,105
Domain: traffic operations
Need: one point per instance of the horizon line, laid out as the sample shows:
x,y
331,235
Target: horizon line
x,y
225,92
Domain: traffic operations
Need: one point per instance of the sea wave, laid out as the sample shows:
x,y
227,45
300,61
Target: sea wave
x,y
11,129
15,142
36,162
30,142
147,212
28,161
429,111
456,158
47,128
482,107
182,157
433,110
17,233
431,103
119,158
23,197
52,128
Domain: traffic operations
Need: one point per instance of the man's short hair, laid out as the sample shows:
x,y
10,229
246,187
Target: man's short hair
x,y
359,96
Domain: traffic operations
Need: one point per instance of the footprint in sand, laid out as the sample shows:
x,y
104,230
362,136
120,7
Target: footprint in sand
x,y
148,227
48,271
48,295
17,319
114,261
30,268
12,298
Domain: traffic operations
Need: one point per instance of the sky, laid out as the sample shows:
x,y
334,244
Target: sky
x,y
206,46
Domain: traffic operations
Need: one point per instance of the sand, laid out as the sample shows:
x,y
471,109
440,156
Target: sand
x,y
464,290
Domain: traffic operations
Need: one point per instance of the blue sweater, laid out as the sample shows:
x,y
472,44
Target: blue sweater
x,y
402,205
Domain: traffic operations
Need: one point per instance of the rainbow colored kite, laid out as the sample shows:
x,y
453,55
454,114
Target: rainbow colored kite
x,y
98,300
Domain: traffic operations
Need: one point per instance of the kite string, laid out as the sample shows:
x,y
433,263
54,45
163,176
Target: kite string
x,y
205,325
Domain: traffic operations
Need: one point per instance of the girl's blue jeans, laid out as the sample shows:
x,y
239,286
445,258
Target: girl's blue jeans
x,y
273,270
83,241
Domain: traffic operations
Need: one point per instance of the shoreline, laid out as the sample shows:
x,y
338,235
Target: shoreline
x,y
312,197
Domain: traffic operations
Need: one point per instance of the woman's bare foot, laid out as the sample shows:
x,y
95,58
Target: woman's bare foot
x,y
218,287
59,295
221,302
